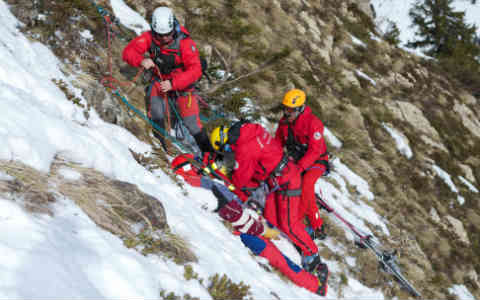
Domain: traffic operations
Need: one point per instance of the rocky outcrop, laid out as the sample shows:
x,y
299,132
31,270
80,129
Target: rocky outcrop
x,y
469,118
456,226
411,114
366,7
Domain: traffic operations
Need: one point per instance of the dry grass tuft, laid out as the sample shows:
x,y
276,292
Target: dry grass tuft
x,y
222,287
29,187
114,205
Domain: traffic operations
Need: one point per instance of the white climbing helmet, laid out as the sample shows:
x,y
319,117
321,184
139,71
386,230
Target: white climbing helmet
x,y
162,20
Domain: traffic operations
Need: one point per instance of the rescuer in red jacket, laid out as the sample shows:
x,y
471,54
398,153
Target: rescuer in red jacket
x,y
301,132
260,158
175,57
253,233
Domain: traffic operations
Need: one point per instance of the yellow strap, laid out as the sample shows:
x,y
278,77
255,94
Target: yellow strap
x,y
207,170
189,99
214,166
231,187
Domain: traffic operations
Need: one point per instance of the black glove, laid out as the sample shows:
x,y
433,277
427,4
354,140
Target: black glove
x,y
147,76
228,160
222,200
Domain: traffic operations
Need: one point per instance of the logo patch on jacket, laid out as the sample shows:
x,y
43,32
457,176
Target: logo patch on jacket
x,y
193,48
317,135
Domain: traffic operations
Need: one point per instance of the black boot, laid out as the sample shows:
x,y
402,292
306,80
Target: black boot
x,y
321,271
317,234
320,233
203,141
309,263
159,135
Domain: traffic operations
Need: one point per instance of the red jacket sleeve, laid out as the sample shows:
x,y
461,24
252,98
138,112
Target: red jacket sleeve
x,y
192,68
133,52
316,145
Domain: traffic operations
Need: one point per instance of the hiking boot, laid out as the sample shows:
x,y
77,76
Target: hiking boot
x,y
310,232
203,142
165,144
320,233
317,234
169,148
321,271
309,263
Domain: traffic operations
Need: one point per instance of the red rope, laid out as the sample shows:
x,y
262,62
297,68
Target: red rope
x,y
167,106
110,81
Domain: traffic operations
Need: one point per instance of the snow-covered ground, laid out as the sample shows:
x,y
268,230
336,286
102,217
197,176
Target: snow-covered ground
x,y
67,255
401,141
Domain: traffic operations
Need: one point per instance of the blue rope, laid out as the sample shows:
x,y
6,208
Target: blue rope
x,y
104,13
216,116
182,146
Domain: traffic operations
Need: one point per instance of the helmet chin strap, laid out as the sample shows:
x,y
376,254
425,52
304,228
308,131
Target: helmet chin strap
x,y
298,111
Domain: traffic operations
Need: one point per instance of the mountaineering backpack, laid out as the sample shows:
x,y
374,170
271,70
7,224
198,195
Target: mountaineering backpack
x,y
166,62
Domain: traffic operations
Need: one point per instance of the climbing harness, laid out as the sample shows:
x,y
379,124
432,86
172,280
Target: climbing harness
x,y
110,82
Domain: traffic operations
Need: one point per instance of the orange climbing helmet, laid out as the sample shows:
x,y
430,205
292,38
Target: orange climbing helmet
x,y
294,98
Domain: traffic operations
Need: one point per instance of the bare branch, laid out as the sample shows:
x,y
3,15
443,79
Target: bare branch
x,y
222,59
258,70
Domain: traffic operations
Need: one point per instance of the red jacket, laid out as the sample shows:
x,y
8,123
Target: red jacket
x,y
257,154
183,48
308,131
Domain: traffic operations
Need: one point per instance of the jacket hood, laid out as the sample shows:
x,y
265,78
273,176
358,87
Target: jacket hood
x,y
242,133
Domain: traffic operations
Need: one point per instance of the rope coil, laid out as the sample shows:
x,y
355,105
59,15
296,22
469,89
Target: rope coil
x,y
114,85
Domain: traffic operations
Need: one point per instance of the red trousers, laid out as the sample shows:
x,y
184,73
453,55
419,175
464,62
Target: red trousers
x,y
283,208
279,261
186,105
309,203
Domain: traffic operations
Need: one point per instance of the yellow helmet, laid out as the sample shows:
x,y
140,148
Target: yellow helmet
x,y
219,137
294,98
